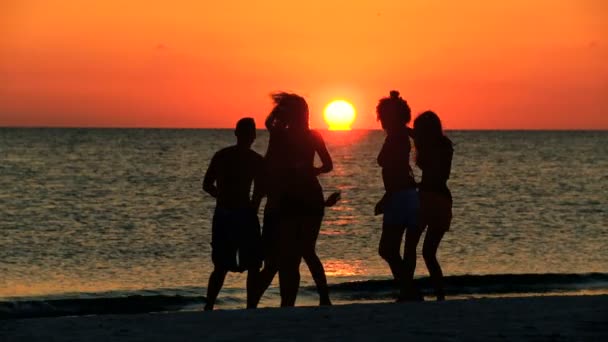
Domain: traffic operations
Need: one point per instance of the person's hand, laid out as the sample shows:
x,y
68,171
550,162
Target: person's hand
x,y
332,199
379,208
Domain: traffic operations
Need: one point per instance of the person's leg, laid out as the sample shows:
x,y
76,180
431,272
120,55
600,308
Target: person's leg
x,y
265,278
253,287
432,239
216,280
252,256
290,258
390,244
318,274
409,290
437,228
438,224
415,223
412,237
223,253
270,242
309,241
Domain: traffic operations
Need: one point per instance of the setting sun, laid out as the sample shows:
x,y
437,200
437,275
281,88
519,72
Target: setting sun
x,y
339,115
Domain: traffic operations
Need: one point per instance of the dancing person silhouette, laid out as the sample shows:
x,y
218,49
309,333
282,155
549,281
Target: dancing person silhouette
x,y
434,154
295,204
400,203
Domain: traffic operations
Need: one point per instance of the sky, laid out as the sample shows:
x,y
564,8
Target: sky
x,y
517,64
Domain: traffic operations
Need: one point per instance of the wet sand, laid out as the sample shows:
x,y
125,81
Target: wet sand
x,y
575,318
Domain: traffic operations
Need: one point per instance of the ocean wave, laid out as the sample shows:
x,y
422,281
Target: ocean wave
x,y
478,285
95,306
145,301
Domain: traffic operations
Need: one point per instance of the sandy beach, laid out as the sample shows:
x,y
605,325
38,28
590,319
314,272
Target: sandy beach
x,y
577,318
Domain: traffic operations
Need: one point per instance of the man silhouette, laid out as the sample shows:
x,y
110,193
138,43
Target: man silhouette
x,y
235,241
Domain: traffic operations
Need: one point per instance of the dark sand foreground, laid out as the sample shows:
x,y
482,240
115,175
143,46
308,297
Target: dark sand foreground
x,y
580,318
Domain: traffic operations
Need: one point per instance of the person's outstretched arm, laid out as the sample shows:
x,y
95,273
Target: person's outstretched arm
x,y
326,163
210,178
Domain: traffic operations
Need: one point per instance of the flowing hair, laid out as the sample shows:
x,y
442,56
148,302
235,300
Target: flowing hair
x,y
290,109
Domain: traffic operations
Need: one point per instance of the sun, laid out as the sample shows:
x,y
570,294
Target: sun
x,y
339,115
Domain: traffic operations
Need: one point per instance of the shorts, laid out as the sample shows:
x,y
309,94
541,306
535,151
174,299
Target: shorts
x,y
401,208
435,210
236,243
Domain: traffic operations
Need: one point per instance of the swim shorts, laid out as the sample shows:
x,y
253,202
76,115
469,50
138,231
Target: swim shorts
x,y
401,208
235,239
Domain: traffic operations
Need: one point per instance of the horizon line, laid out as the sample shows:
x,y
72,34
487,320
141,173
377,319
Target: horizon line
x,y
263,129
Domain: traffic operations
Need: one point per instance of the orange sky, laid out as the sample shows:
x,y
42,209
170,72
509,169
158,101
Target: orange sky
x,y
480,64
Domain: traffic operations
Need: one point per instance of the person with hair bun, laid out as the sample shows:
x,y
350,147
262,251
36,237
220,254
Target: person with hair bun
x,y
400,203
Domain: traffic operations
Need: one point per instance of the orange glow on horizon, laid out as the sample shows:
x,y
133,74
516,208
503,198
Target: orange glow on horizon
x,y
479,64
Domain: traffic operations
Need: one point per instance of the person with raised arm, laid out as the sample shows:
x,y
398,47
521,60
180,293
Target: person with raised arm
x,y
295,203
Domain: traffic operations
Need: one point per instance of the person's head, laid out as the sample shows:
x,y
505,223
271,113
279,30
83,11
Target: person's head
x,y
291,109
245,132
393,112
428,130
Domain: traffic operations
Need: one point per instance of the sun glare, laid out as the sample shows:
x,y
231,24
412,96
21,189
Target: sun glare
x,y
339,115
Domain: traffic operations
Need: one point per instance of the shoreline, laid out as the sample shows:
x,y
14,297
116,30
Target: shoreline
x,y
490,319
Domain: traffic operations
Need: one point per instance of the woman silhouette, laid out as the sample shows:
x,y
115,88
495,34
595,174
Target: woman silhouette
x,y
434,157
400,202
295,203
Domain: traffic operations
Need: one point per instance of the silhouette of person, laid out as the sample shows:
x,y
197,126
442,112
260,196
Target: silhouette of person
x,y
434,153
295,203
235,240
400,202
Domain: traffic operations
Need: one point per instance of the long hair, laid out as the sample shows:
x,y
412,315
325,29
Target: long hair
x,y
428,135
393,109
290,109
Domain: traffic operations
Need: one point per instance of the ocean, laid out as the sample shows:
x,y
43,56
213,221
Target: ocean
x,y
114,220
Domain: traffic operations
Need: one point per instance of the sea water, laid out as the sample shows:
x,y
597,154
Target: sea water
x,y
97,220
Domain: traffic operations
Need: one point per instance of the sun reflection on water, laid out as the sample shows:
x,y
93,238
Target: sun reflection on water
x,y
340,138
342,268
